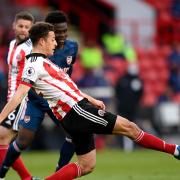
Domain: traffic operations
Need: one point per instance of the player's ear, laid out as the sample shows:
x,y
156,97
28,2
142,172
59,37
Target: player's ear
x,y
41,41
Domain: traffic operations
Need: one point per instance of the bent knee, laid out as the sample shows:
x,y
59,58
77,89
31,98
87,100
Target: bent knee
x,y
87,168
23,143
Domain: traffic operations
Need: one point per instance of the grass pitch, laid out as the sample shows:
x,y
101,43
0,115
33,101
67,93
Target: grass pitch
x,y
111,165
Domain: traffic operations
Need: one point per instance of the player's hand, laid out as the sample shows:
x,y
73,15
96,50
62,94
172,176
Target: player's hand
x,y
99,104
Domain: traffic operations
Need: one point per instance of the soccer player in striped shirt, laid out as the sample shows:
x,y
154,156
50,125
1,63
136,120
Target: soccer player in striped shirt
x,y
64,57
80,115
18,49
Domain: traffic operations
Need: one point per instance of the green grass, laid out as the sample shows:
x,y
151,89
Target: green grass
x,y
111,165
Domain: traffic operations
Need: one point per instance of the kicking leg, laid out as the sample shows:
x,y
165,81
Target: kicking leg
x,y
131,130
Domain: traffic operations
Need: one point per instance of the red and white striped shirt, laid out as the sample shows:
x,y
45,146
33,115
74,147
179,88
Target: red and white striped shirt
x,y
52,83
16,60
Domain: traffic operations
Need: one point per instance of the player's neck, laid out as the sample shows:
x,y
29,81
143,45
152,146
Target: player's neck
x,y
20,41
60,45
38,50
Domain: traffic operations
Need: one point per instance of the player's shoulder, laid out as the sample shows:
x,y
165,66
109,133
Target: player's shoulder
x,y
34,57
12,42
71,43
28,43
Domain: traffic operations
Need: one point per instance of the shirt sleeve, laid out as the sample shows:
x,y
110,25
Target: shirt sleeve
x,y
30,74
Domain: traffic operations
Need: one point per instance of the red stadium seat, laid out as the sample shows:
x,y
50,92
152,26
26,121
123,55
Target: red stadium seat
x,y
165,51
117,67
149,100
78,71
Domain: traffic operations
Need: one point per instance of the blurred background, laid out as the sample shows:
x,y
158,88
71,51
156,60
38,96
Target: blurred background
x,y
129,57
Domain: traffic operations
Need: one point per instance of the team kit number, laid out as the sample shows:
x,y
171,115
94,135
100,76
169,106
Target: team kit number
x,y
8,122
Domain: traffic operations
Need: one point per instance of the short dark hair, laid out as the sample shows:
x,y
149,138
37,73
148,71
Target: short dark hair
x,y
24,15
39,30
55,17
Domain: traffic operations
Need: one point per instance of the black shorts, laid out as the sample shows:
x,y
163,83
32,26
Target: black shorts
x,y
84,120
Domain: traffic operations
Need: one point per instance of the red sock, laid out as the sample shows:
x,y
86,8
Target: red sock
x,y
18,165
152,142
20,168
3,151
68,172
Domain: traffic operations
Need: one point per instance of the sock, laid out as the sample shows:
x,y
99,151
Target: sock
x,y
20,168
68,172
12,155
66,154
152,142
3,151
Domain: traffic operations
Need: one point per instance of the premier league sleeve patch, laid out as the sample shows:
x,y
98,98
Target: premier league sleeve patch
x,y
30,74
30,71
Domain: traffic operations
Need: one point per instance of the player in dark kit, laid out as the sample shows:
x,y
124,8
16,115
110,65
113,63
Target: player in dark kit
x,y
64,57
80,115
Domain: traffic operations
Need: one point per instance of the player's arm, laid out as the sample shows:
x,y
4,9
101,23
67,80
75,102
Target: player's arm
x,y
97,103
15,101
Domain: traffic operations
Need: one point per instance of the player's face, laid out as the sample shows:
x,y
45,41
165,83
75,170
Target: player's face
x,y
61,33
21,29
50,44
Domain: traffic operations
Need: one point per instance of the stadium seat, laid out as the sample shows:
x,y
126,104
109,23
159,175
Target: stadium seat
x,y
148,100
159,88
160,63
114,69
145,64
78,71
165,51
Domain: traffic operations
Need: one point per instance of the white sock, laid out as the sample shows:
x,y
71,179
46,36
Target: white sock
x,y
176,152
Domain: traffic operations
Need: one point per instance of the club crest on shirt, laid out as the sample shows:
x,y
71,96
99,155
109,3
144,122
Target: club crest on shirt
x,y
101,112
69,59
30,71
26,119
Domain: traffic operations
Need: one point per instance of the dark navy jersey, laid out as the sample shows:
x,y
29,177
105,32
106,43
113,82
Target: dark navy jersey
x,y
64,58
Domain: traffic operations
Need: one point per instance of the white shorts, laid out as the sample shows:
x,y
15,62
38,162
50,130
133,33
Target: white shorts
x,y
11,122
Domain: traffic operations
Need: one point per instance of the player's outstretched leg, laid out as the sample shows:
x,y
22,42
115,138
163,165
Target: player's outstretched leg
x,y
146,140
